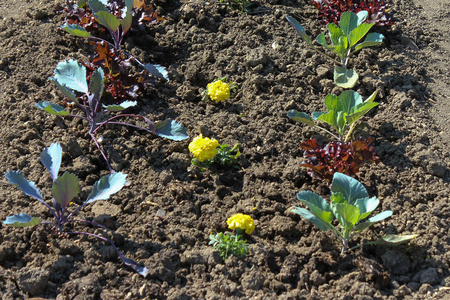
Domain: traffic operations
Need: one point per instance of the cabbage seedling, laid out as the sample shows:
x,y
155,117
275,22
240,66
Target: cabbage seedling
x,y
350,205
345,41
70,78
64,189
342,113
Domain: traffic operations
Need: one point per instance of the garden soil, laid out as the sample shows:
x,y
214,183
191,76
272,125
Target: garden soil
x,y
164,218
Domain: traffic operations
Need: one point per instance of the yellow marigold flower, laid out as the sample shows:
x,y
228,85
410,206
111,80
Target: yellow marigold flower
x,y
218,90
241,221
203,148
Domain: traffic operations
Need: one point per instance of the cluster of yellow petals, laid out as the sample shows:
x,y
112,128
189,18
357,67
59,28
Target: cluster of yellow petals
x,y
203,148
218,90
241,221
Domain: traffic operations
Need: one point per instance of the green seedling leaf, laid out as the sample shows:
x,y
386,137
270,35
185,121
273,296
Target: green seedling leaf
x,y
371,98
97,83
300,31
54,109
372,39
126,23
323,41
348,22
119,107
65,188
68,93
393,239
72,74
157,71
21,220
362,16
172,130
28,187
362,226
334,32
108,20
337,198
361,111
346,214
366,206
76,30
351,188
312,218
301,117
51,159
381,216
348,100
107,186
317,205
329,118
97,6
358,33
345,78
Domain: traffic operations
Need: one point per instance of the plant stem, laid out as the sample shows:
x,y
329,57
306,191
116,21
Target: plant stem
x,y
326,55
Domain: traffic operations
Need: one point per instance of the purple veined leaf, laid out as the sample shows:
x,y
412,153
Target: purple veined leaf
x,y
21,220
96,84
107,186
172,130
68,93
54,109
119,107
28,187
98,5
157,71
108,20
72,74
65,188
151,125
51,159
76,30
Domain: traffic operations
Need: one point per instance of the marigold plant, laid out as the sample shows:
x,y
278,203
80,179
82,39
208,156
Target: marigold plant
x,y
241,221
219,90
203,148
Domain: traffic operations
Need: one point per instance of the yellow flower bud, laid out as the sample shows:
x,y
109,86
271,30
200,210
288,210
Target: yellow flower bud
x,y
218,90
203,148
241,221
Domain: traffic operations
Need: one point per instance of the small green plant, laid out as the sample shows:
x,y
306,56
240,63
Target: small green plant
x,y
240,5
219,90
64,189
345,41
342,113
208,151
350,204
233,244
70,78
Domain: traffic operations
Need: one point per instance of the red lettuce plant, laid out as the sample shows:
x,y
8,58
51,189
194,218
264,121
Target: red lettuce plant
x,y
330,11
343,157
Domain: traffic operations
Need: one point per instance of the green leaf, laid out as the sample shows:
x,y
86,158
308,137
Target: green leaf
x,y
51,159
301,117
340,122
358,33
381,216
317,205
311,217
323,41
172,130
362,16
329,118
371,98
119,107
108,20
351,188
65,188
76,30
21,220
337,198
335,33
345,78
68,93
97,6
126,23
107,186
366,206
372,39
348,22
72,74
332,102
157,71
97,83
348,100
300,31
316,115
394,240
362,226
346,214
28,187
54,109
361,111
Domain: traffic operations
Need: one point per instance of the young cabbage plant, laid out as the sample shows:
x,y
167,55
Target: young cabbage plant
x,y
345,41
342,113
64,189
70,78
117,28
350,204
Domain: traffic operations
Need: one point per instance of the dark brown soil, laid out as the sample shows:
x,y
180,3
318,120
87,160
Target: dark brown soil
x,y
289,258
